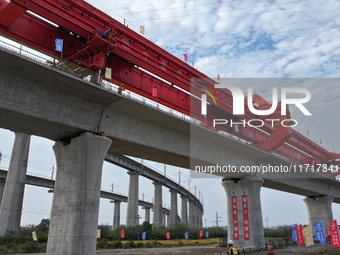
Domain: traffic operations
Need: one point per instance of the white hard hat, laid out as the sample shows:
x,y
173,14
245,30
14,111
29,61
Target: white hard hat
x,y
230,242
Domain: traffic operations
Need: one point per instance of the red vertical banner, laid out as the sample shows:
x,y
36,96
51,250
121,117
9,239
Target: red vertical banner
x,y
335,239
185,57
245,211
201,233
168,235
122,233
235,216
298,231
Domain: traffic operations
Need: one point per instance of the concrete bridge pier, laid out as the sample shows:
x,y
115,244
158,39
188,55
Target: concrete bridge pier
x,y
200,217
319,208
165,219
191,214
13,194
2,187
75,206
132,204
116,215
195,216
157,205
184,212
173,208
147,213
249,189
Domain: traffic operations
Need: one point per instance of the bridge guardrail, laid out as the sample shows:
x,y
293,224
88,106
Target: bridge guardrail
x,y
81,72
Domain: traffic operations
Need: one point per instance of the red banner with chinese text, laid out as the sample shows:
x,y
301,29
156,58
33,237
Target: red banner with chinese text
x,y
235,216
298,231
335,239
245,217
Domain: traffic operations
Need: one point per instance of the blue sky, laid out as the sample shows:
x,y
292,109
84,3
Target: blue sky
x,y
236,39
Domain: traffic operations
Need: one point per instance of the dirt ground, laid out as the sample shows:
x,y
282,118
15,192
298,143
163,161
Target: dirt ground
x,y
213,250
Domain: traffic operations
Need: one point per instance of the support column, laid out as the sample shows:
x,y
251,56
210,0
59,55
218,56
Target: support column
x,y
75,206
2,187
184,213
13,194
147,214
195,216
116,215
251,188
200,217
157,205
191,214
166,219
132,204
319,208
173,208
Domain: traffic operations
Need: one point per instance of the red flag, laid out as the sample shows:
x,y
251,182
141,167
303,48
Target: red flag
x,y
122,233
201,233
298,231
335,239
168,235
185,57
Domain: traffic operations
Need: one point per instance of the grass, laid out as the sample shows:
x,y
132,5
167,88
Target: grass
x,y
178,241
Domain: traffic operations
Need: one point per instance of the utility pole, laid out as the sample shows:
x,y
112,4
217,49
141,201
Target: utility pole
x,y
205,222
217,219
189,183
52,172
112,186
267,221
179,177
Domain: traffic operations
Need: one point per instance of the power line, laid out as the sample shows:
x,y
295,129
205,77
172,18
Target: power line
x,y
218,11
179,7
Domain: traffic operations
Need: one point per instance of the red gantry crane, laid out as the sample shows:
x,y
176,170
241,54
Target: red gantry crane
x,y
96,41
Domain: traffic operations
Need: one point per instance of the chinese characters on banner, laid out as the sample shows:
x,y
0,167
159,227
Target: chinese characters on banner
x,y
335,239
308,236
320,233
235,217
298,231
245,215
